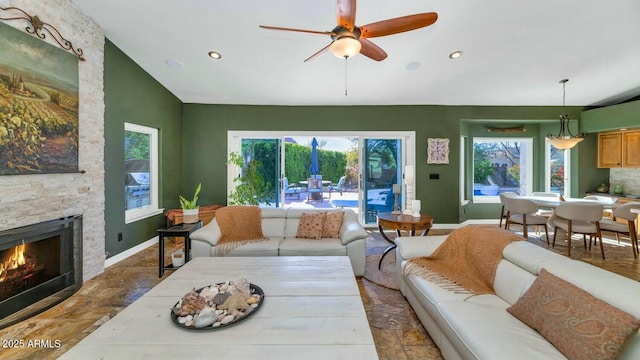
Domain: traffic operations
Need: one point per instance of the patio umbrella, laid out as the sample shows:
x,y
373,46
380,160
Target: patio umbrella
x,y
315,169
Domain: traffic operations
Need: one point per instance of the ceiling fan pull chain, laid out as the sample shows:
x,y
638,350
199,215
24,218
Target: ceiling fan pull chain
x,y
345,75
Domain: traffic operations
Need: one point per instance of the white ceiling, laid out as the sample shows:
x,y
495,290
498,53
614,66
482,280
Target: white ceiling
x,y
515,52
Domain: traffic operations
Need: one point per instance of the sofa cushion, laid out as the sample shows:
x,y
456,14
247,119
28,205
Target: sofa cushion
x,y
310,226
311,247
580,325
260,248
511,281
480,328
332,224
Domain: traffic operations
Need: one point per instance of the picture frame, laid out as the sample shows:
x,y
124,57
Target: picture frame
x,y
39,106
437,151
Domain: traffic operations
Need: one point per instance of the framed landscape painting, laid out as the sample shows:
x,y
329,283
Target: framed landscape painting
x,y
38,106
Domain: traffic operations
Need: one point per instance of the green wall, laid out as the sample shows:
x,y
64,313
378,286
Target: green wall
x,y
132,95
206,126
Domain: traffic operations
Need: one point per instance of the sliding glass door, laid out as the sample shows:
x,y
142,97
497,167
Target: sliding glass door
x,y
355,170
382,168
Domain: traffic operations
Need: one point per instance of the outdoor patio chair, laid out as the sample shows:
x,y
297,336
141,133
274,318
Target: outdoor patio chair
x,y
290,190
339,187
314,188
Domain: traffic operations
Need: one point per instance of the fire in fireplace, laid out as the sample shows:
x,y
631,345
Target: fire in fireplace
x,y
40,265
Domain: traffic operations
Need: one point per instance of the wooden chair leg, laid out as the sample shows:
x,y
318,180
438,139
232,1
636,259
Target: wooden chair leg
x,y
599,235
546,233
555,232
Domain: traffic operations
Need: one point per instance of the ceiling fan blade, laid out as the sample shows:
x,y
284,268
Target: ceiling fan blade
x,y
346,11
398,25
297,30
320,52
372,50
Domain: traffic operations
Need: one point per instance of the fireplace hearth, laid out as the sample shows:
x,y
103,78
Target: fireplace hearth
x,y
40,265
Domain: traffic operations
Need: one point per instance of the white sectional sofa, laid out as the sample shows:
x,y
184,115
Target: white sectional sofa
x,y
280,226
479,327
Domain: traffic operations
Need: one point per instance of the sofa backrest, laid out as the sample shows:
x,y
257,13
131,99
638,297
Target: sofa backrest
x,y
273,222
278,223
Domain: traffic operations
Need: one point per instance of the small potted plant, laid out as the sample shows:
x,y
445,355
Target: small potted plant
x,y
190,208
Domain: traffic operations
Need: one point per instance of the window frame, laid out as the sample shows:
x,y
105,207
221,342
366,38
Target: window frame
x,y
547,169
153,208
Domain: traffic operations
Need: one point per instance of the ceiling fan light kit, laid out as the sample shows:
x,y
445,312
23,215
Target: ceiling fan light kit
x,y
345,47
565,138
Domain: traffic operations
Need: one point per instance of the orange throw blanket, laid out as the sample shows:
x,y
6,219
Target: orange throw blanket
x,y
239,225
467,259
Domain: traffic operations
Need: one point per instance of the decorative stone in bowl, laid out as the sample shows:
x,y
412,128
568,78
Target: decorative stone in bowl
x,y
217,306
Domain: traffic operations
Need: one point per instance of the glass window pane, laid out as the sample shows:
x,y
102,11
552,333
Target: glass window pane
x,y
557,170
501,165
137,169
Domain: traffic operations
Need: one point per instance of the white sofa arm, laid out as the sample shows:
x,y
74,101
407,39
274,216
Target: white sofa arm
x,y
410,247
352,230
209,233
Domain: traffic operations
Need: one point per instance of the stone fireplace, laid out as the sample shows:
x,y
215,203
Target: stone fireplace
x,y
40,265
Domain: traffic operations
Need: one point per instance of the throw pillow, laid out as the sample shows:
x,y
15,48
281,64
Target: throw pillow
x,y
310,226
580,325
332,224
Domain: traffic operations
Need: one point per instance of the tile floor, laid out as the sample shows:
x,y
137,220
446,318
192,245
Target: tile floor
x,y
397,331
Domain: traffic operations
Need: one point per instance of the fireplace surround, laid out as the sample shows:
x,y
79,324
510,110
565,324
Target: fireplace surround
x,y
40,265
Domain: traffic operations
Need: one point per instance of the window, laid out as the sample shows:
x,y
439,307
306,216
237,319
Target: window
x,y
500,165
140,172
557,170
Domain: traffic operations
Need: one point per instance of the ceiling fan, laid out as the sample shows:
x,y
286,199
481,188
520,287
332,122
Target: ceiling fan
x,y
349,39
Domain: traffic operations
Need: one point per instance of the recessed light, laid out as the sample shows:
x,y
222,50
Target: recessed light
x,y
174,64
455,54
412,66
215,55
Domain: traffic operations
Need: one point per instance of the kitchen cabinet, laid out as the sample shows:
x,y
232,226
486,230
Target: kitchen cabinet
x,y
631,149
619,149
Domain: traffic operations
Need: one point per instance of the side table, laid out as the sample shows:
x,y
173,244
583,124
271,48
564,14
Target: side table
x,y
399,222
180,230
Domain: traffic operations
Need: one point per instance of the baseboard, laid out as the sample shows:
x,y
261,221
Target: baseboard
x,y
129,252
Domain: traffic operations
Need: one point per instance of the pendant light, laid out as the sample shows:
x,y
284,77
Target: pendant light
x,y
565,138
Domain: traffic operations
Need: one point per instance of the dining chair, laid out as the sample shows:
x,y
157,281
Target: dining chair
x,y
579,217
546,211
503,211
627,228
315,187
609,201
523,212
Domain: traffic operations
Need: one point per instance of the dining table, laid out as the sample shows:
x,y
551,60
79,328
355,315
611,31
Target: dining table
x,y
549,202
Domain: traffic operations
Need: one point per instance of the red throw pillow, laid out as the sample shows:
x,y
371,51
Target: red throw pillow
x,y
310,226
332,224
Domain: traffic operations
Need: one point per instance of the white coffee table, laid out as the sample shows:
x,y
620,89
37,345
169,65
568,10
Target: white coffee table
x,y
312,310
